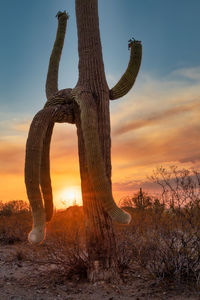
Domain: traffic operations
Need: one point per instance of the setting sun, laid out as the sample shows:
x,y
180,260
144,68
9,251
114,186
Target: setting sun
x,y
70,196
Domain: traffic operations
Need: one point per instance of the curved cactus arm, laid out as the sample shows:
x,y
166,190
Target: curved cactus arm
x,y
32,175
96,167
127,80
52,75
45,178
62,97
39,132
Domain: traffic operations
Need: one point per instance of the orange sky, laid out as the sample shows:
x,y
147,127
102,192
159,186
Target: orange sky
x,y
155,124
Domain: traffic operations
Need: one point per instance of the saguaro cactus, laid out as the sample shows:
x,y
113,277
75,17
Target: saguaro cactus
x,y
86,106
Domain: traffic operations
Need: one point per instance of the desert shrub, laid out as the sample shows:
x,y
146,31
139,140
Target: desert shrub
x,y
167,241
65,243
169,254
14,228
14,207
125,249
180,189
69,223
67,255
15,221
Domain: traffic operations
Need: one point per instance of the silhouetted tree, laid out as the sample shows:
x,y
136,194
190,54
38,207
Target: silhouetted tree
x,y
140,200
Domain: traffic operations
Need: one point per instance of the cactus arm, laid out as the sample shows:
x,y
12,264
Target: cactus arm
x,y
53,98
45,178
127,80
32,175
52,75
39,135
62,97
96,167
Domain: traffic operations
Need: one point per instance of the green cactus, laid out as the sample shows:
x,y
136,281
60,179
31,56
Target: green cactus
x,y
127,80
86,106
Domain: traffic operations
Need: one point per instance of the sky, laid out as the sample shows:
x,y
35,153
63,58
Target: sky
x,y
156,123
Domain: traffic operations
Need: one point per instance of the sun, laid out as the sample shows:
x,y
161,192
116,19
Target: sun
x,y
70,196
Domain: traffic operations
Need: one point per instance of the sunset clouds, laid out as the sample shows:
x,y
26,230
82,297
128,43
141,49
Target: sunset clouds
x,y
156,124
154,118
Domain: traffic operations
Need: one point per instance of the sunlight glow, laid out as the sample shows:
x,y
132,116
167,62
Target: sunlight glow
x,y
70,196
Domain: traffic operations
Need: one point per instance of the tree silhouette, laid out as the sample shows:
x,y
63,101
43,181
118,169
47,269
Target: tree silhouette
x,y
140,200
86,106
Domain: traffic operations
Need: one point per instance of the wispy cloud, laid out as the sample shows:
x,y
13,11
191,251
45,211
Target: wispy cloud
x,y
159,117
179,145
152,95
12,157
188,73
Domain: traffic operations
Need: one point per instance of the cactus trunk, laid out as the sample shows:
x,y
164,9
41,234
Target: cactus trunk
x,y
92,82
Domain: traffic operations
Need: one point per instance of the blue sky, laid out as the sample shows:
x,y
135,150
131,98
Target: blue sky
x,y
156,123
168,29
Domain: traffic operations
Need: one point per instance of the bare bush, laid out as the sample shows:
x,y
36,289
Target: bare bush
x,y
65,247
125,249
14,207
164,237
14,228
171,254
169,247
15,221
180,189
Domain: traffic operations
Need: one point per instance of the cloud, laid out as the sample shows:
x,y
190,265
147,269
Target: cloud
x,y
12,155
131,187
21,126
178,145
151,96
158,117
188,73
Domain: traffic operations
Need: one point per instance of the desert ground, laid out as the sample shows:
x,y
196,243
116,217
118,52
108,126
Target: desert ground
x,y
24,278
158,253
56,268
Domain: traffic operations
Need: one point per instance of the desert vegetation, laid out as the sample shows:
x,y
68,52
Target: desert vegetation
x,y
163,238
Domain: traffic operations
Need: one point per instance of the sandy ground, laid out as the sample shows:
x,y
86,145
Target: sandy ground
x,y
22,278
